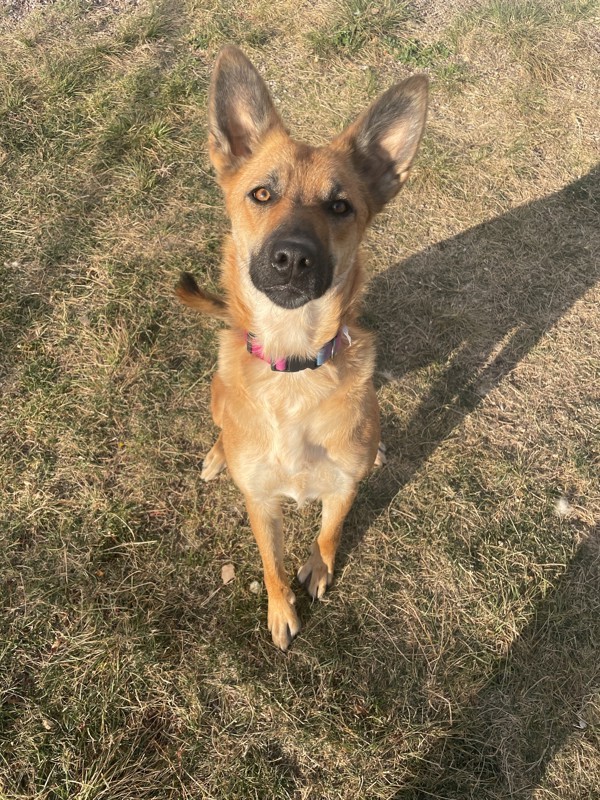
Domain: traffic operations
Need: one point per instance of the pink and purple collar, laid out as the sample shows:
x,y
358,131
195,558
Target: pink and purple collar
x,y
294,364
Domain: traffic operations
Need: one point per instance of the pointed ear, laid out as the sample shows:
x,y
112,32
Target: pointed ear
x,y
384,140
240,110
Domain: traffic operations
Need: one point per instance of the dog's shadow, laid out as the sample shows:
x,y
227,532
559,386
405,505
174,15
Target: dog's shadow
x,y
461,315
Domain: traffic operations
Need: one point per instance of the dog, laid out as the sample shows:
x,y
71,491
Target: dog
x,y
293,394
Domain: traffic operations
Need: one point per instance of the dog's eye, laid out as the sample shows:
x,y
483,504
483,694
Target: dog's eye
x,y
261,195
340,207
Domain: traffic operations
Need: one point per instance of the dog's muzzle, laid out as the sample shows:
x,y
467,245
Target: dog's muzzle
x,y
291,269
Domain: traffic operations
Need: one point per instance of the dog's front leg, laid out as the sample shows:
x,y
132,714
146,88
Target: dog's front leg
x,y
267,527
319,567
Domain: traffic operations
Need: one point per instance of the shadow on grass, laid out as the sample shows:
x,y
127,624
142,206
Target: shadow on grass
x,y
465,312
538,697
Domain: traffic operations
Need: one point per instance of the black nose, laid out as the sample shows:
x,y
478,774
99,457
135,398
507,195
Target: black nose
x,y
291,257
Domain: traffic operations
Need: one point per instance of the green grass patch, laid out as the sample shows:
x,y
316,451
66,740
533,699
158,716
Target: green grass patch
x,y
531,31
418,54
438,58
359,22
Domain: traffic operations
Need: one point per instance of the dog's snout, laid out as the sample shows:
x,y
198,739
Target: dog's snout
x,y
292,268
293,256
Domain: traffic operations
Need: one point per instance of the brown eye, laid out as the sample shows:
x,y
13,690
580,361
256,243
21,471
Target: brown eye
x,y
261,194
340,207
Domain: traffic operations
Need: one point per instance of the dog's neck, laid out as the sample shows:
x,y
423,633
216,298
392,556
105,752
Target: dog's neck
x,y
285,333
293,364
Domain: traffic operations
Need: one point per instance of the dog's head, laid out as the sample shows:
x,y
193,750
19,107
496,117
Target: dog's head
x,y
298,212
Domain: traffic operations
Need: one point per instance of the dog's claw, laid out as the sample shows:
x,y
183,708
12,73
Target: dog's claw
x,y
316,576
283,621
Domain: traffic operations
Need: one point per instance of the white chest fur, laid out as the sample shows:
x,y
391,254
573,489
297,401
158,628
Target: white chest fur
x,y
285,456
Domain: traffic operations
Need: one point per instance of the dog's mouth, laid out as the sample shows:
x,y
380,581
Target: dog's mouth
x,y
286,296
294,292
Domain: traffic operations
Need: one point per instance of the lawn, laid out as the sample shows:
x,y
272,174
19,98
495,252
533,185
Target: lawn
x,y
457,655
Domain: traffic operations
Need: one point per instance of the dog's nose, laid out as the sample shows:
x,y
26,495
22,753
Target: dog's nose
x,y
291,257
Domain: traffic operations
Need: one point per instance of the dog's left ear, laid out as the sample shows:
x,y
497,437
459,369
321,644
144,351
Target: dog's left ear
x,y
240,111
384,140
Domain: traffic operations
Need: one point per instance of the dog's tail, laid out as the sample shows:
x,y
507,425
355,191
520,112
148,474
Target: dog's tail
x,y
190,294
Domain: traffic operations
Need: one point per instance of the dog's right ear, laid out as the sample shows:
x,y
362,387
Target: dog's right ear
x,y
240,111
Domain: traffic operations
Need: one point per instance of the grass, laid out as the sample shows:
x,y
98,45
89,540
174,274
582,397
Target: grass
x,y
355,24
456,656
538,34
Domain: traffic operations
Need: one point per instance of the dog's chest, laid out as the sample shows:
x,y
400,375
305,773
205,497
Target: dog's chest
x,y
296,461
299,467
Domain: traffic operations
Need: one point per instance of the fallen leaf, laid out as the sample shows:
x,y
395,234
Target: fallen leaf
x,y
227,573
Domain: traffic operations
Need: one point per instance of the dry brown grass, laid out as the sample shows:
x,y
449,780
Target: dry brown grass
x,y
456,656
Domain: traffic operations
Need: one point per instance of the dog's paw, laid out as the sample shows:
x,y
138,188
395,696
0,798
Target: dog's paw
x,y
283,620
381,458
316,575
214,462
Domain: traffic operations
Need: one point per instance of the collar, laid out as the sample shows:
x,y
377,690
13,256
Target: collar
x,y
294,364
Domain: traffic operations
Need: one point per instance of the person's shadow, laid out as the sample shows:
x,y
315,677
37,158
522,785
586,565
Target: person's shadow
x,y
545,691
463,314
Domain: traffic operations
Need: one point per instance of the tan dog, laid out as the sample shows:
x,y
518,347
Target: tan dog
x,y
293,394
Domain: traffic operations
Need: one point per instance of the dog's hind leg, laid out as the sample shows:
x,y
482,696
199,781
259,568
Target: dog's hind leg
x,y
215,458
214,461
317,573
